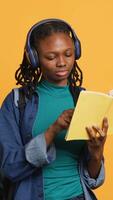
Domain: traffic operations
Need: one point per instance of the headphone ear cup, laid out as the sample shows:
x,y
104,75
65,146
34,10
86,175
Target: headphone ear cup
x,y
77,49
32,57
35,60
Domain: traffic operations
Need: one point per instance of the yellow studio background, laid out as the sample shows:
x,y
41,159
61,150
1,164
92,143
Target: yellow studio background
x,y
93,22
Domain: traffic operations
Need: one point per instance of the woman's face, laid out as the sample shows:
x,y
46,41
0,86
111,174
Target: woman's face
x,y
56,56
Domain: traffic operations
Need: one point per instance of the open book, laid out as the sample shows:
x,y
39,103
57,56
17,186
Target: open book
x,y
90,110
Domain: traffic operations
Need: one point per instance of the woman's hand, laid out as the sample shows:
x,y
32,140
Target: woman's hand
x,y
63,120
60,124
97,138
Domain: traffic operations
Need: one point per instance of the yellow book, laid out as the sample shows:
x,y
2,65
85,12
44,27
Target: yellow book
x,y
90,109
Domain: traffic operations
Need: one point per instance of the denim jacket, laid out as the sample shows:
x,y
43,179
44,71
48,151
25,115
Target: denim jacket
x,y
22,157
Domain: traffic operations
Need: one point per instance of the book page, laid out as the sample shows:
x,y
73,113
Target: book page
x,y
90,110
109,115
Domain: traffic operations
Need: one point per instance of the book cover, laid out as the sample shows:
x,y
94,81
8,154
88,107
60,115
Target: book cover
x,y
90,110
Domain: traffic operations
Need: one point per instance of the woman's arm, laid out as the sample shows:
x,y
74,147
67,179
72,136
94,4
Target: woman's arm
x,y
13,154
96,147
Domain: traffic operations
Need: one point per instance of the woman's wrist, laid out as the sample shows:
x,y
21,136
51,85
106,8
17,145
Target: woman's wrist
x,y
97,156
94,164
94,167
51,133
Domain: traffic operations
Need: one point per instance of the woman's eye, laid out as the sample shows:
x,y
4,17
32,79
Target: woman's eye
x,y
50,57
68,54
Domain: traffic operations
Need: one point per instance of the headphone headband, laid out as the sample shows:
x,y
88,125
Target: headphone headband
x,y
31,52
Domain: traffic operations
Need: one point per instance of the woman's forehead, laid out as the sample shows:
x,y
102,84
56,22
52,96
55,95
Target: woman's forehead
x,y
55,40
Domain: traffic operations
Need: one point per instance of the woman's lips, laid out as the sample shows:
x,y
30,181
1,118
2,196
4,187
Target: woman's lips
x,y
62,73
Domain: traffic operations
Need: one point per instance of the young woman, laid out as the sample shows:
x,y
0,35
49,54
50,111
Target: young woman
x,y
35,157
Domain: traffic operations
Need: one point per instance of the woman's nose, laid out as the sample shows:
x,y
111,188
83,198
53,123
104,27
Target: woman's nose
x,y
61,62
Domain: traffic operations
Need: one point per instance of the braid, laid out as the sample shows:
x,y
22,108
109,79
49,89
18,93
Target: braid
x,y
75,78
27,77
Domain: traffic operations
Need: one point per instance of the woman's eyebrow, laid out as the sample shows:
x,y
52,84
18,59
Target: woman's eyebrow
x,y
49,52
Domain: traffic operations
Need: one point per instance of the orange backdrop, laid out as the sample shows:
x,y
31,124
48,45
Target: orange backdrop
x,y
93,22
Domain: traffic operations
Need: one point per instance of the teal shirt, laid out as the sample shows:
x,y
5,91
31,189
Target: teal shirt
x,y
61,177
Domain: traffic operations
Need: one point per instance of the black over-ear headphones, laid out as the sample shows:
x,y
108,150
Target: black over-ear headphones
x,y
32,54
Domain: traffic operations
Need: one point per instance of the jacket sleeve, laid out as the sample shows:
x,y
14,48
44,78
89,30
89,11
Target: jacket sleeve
x,y
90,182
15,158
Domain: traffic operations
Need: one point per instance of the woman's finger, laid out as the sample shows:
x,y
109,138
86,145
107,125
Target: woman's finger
x,y
90,132
99,132
105,125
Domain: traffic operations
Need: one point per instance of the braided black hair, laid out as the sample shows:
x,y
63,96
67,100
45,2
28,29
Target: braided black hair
x,y
28,77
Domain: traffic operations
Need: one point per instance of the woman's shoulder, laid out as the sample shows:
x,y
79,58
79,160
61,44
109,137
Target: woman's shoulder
x,y
78,89
8,98
17,97
12,97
